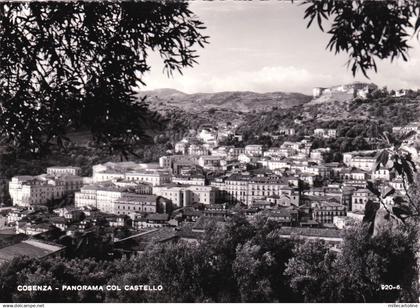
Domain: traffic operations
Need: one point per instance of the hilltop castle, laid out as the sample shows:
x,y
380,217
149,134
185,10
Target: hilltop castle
x,y
357,89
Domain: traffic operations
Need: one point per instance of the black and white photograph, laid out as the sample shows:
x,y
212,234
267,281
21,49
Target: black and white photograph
x,y
209,152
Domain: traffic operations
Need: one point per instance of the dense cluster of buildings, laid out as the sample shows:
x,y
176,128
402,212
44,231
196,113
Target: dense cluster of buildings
x,y
32,190
201,182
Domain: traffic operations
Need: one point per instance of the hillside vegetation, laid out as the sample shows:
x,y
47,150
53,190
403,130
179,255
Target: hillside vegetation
x,y
352,119
387,111
236,100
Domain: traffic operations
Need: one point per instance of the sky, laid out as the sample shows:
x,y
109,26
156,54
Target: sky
x,y
264,46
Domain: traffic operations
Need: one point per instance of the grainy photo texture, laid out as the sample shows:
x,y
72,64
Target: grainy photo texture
x,y
209,151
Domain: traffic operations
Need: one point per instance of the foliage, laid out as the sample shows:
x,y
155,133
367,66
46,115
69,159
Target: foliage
x,y
369,118
368,262
398,159
259,267
358,271
310,271
76,64
366,29
238,262
209,272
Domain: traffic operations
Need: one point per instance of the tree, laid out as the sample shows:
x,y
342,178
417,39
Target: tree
x,y
260,263
362,271
251,269
179,268
221,245
38,278
367,29
398,159
76,65
310,272
366,263
8,279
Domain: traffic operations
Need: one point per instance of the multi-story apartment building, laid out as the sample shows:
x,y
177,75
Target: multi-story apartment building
x,y
353,174
138,188
279,152
131,172
284,200
383,174
398,184
107,175
104,195
359,200
151,220
181,147
324,212
202,194
185,195
176,193
235,152
265,186
325,133
321,171
86,197
154,177
26,191
363,162
247,159
176,162
211,162
197,150
222,151
278,164
198,180
130,203
347,196
287,131
17,215
246,189
317,155
208,136
16,191
68,170
236,187
254,150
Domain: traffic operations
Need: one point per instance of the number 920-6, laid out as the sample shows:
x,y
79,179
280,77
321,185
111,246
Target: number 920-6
x,y
390,287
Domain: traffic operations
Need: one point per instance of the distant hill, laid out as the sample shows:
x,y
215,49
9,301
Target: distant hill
x,y
387,111
342,93
236,100
337,97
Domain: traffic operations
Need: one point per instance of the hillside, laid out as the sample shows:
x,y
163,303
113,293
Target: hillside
x,y
331,98
390,111
244,101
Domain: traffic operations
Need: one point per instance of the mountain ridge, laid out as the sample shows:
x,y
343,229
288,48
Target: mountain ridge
x,y
245,101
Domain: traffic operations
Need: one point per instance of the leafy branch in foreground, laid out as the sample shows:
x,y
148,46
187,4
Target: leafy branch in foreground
x,y
397,159
70,65
366,29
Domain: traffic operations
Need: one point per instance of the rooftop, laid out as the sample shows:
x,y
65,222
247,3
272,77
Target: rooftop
x,y
311,232
30,248
131,197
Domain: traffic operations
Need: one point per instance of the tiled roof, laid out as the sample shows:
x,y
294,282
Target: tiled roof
x,y
311,232
203,221
30,248
157,216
